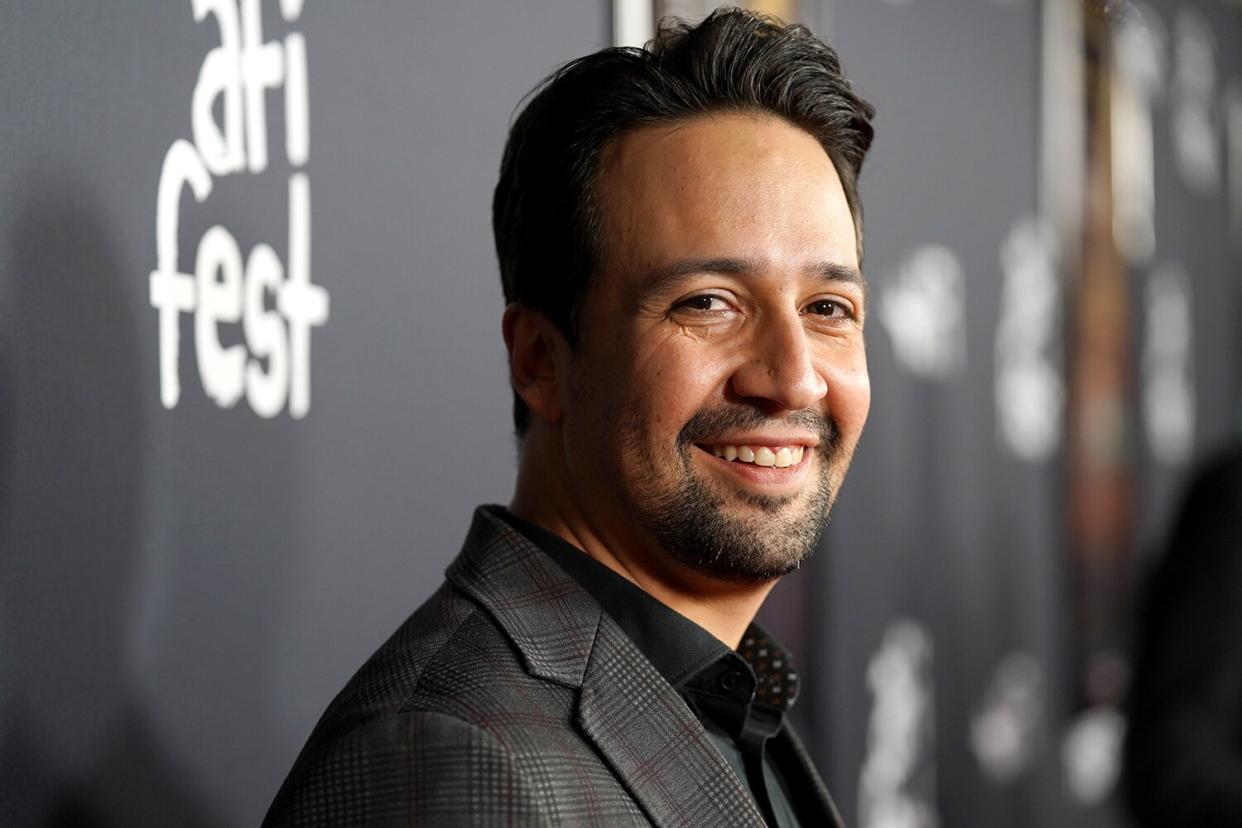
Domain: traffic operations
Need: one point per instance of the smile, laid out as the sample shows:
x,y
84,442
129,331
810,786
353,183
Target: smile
x,y
780,457
770,466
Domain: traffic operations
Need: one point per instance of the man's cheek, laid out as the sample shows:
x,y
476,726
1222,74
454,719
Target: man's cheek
x,y
864,396
849,394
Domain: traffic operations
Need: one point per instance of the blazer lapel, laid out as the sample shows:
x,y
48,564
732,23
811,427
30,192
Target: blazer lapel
x,y
550,619
646,732
817,799
653,741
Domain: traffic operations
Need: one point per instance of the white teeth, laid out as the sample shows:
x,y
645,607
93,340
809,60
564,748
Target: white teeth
x,y
781,458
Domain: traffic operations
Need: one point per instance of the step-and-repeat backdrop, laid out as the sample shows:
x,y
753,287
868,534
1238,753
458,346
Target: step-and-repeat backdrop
x,y
252,382
1053,207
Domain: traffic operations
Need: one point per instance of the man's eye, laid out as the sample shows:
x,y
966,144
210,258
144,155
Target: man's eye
x,y
706,302
829,307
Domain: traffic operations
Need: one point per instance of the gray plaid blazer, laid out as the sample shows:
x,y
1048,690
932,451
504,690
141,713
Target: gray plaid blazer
x,y
511,698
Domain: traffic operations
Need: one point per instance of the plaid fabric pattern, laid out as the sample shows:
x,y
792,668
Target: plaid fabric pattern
x,y
510,698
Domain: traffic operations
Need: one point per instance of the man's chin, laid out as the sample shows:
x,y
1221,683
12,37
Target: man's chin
x,y
754,564
742,537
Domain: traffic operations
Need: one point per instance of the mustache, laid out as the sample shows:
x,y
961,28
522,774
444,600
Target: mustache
x,y
709,422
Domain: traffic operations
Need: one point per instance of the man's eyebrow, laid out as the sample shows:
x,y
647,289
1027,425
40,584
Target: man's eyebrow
x,y
666,276
834,272
663,277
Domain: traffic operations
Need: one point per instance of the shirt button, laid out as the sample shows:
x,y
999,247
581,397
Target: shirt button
x,y
730,682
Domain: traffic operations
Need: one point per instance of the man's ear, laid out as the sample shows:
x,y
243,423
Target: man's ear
x,y
535,346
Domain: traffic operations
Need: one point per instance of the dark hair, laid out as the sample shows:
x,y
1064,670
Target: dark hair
x,y
545,212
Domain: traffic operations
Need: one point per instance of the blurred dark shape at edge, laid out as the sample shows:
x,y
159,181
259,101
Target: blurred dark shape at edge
x,y
1183,755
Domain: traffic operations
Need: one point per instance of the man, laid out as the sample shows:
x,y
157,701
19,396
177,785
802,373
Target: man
x,y
679,240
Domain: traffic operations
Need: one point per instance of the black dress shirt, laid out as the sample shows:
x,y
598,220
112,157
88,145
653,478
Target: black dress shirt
x,y
739,696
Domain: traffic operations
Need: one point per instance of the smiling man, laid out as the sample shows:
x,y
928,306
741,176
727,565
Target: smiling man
x,y
679,238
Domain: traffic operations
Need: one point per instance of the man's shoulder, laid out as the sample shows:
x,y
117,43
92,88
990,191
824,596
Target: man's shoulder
x,y
440,660
447,684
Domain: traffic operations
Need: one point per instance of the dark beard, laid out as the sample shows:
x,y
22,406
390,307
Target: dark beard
x,y
691,523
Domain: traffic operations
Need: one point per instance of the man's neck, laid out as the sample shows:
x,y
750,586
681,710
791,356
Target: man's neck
x,y
723,609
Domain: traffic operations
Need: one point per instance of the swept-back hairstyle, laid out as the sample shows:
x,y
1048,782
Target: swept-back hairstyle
x,y
545,212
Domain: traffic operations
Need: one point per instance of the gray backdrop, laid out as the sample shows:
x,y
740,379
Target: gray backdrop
x,y
182,591
944,543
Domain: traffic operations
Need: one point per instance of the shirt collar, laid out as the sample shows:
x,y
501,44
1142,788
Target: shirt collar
x,y
746,690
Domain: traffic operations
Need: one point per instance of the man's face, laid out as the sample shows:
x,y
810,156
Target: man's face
x,y
721,383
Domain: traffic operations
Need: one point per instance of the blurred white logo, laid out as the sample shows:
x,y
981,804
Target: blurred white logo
x,y
1030,392
1195,146
223,290
898,780
1091,752
1004,733
1168,387
922,309
1139,47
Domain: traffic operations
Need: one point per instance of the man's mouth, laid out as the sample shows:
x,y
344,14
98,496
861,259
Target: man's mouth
x,y
780,457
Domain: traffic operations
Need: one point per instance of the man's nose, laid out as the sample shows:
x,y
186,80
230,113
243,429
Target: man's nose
x,y
779,367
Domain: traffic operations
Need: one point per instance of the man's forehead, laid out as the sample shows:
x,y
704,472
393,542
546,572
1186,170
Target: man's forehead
x,y
736,193
695,143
